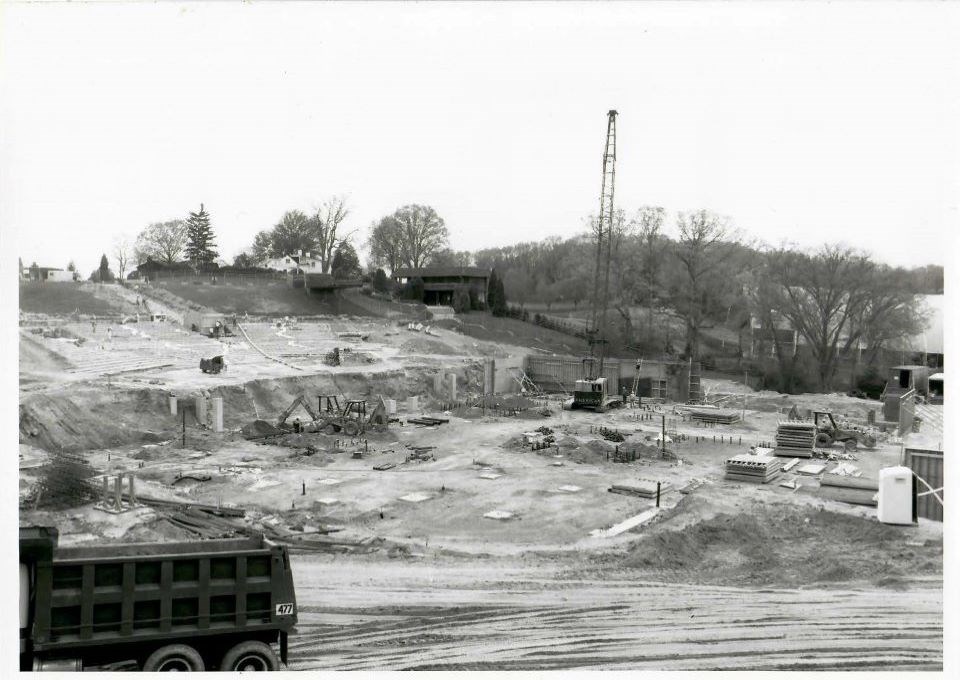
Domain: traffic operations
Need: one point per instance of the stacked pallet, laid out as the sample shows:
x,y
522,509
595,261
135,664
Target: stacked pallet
x,y
644,488
715,416
795,439
749,468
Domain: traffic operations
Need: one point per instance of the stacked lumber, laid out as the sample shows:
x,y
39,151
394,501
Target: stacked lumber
x,y
749,468
715,416
644,488
795,440
853,490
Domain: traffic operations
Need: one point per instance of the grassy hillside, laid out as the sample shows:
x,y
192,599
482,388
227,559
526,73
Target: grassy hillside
x,y
260,298
62,298
484,326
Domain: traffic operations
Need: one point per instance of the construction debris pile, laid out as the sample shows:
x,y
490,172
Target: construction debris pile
x,y
62,483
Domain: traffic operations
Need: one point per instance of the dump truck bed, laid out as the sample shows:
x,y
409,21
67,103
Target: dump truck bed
x,y
130,593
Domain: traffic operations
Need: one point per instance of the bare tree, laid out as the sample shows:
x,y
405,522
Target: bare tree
x,y
767,300
888,310
823,294
122,252
422,233
384,244
649,220
324,223
262,249
162,242
293,233
703,251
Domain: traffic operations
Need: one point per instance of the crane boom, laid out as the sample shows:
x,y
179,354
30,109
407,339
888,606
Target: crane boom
x,y
592,391
606,221
601,270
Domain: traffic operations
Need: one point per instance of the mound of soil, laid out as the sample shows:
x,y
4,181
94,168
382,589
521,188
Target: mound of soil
x,y
787,546
259,428
601,446
426,346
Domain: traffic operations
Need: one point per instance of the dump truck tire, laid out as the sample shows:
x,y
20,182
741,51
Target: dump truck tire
x,y
251,655
824,440
174,658
870,442
330,427
351,429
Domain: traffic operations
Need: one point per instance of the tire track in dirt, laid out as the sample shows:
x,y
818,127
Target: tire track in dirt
x,y
539,624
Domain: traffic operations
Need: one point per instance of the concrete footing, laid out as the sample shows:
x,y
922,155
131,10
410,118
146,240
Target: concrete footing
x,y
201,404
216,405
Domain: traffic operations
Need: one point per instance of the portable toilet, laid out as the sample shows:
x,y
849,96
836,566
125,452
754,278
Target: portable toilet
x,y
897,497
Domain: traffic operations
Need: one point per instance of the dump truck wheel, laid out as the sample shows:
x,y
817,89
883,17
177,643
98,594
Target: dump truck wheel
x,y
850,445
870,442
824,440
181,658
329,428
351,429
251,655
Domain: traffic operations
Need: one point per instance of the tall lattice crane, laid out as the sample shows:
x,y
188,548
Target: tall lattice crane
x,y
591,391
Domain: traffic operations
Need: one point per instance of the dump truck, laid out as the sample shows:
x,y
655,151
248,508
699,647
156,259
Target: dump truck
x,y
225,604
214,365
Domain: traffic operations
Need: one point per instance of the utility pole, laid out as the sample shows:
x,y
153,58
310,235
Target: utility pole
x,y
743,413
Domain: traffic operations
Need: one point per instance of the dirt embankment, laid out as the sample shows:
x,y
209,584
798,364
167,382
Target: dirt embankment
x,y
34,356
96,416
787,546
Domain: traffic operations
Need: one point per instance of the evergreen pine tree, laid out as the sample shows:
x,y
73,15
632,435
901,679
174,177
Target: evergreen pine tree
x,y
201,249
104,275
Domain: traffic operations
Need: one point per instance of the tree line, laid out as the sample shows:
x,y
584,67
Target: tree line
x,y
840,302
703,276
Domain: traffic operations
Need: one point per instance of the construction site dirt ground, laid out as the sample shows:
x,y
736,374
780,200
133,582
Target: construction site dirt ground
x,y
481,552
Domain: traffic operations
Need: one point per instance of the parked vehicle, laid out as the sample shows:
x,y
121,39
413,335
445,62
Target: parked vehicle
x,y
829,432
219,604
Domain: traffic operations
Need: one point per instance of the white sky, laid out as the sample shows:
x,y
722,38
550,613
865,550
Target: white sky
x,y
805,122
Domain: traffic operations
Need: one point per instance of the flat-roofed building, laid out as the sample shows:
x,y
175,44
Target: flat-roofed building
x,y
441,283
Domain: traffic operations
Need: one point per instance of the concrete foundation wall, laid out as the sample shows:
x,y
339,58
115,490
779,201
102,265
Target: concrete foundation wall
x,y
560,373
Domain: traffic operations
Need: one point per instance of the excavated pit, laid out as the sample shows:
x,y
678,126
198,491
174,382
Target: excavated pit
x,y
94,416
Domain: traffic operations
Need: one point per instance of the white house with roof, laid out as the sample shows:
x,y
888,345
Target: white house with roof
x,y
305,262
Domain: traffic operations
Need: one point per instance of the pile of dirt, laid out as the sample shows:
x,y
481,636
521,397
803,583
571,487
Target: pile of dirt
x,y
426,347
786,545
640,449
601,446
259,428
